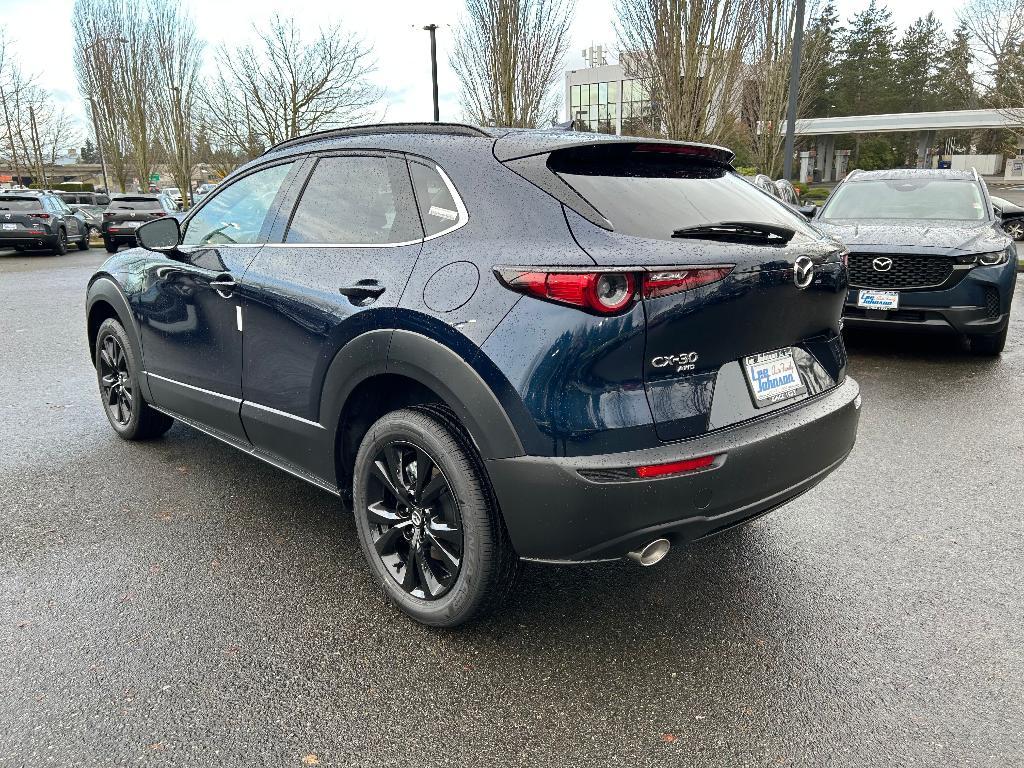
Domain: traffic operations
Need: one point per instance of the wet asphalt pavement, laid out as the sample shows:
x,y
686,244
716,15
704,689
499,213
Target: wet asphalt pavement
x,y
178,603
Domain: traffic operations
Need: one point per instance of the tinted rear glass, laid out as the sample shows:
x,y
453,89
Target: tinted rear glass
x,y
136,204
906,199
652,194
20,204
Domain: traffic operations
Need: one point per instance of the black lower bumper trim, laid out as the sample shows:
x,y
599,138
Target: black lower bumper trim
x,y
553,512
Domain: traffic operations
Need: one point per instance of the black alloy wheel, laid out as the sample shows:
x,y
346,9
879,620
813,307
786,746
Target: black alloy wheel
x,y
61,246
115,381
428,523
126,409
414,520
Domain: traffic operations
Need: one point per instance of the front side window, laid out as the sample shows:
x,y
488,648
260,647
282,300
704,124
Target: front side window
x,y
354,200
439,210
236,215
907,199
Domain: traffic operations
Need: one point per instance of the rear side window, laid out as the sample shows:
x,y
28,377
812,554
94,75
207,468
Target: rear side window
x,y
439,210
354,200
20,204
653,193
136,204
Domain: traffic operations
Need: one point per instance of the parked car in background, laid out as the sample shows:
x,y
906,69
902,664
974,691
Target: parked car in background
x,y
173,198
1012,216
927,253
787,193
31,219
126,213
661,361
202,191
764,182
90,205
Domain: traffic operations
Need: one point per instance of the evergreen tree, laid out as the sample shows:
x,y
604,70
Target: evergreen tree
x,y
88,153
821,42
955,88
864,80
921,52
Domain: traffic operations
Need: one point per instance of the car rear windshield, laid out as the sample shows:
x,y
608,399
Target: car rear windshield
x,y
652,194
20,204
136,203
903,199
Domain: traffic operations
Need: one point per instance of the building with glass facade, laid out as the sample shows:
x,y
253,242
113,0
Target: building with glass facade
x,y
604,100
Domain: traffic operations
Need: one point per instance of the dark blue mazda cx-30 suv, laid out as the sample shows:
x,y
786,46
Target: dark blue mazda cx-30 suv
x,y
498,344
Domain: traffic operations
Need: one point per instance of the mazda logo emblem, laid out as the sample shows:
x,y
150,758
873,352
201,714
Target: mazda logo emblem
x,y
882,264
803,271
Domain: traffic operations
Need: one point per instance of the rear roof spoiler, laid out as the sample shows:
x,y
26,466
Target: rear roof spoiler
x,y
516,144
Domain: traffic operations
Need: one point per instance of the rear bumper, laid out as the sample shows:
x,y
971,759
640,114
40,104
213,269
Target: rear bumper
x,y
553,512
11,239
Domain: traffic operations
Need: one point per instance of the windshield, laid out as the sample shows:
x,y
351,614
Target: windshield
x,y
653,194
905,199
136,204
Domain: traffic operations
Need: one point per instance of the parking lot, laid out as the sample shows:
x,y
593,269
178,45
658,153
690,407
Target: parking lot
x,y
179,603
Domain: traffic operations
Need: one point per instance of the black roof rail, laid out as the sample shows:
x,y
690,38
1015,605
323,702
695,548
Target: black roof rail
x,y
446,129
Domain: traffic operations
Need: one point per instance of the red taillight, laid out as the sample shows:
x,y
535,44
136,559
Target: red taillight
x,y
108,214
657,284
158,214
40,215
675,467
602,292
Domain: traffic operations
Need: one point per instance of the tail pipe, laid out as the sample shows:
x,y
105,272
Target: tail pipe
x,y
651,553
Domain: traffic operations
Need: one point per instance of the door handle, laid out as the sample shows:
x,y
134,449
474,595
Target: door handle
x,y
363,292
223,284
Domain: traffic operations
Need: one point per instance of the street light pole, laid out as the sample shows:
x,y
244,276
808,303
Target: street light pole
x,y
99,143
794,91
432,29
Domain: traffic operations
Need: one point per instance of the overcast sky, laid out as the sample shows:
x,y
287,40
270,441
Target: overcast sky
x,y
393,27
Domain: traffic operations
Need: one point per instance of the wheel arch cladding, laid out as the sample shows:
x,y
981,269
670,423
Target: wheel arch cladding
x,y
104,301
400,368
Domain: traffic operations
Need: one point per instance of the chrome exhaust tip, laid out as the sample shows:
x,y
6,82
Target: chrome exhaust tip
x,y
652,553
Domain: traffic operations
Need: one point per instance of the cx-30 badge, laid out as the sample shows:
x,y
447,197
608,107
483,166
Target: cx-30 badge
x,y
803,271
684,361
882,264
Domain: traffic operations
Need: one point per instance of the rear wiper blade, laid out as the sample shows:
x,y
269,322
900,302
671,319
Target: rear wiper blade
x,y
738,230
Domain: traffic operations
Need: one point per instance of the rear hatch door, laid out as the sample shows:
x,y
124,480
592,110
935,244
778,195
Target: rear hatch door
x,y
126,214
23,215
770,315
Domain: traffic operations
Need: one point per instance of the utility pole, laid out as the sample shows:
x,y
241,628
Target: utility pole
x,y
36,145
99,143
432,29
10,135
794,91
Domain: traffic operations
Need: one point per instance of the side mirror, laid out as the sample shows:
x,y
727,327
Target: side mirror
x,y
810,210
161,235
997,211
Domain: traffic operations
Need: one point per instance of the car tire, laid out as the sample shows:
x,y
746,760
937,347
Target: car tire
x,y
1015,229
83,244
989,345
60,245
109,245
447,527
117,372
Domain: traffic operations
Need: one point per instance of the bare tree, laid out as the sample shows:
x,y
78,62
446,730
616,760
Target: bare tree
x,y
691,52
766,81
997,29
508,55
105,72
283,86
178,55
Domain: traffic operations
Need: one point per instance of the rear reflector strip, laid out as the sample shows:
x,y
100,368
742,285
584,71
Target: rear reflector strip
x,y
675,467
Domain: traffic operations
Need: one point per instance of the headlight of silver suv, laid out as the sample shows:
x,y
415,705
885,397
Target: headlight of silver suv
x,y
992,259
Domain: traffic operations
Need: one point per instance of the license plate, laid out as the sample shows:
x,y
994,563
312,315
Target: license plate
x,y
773,377
878,299
10,226
131,224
